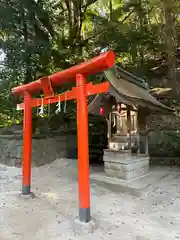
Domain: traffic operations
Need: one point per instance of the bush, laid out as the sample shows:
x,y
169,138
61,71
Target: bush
x,y
164,143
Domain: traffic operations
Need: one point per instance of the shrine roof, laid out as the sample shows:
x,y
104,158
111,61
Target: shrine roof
x,y
130,90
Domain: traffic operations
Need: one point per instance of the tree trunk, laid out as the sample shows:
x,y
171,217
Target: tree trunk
x,y
27,54
170,42
110,10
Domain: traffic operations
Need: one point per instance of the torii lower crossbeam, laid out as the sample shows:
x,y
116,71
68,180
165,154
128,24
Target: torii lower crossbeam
x,y
90,89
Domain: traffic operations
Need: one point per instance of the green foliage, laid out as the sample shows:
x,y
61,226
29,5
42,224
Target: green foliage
x,y
165,143
165,140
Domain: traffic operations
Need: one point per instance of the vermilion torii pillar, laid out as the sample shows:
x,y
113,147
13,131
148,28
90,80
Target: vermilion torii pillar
x,y
80,93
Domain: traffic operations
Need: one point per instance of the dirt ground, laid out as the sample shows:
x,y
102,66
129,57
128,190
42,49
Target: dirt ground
x,y
49,215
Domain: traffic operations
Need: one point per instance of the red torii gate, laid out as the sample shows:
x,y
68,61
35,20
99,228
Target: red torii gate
x,y
80,93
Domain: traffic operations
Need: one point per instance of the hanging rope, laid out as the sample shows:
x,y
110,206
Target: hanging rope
x,y
58,105
41,112
65,102
49,107
37,111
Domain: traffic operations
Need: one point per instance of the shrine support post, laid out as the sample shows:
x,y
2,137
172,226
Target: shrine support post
x,y
83,150
27,145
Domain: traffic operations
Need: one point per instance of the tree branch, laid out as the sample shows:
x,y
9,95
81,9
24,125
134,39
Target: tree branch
x,y
126,17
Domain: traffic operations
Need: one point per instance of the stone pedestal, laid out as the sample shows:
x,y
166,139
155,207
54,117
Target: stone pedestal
x,y
123,165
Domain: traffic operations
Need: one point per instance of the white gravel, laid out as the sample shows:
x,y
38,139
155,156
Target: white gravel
x,y
49,215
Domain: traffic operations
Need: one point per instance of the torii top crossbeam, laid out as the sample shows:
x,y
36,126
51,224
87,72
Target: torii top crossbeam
x,y
97,64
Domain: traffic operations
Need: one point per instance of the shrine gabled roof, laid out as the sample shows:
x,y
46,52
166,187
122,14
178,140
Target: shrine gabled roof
x,y
120,72
130,90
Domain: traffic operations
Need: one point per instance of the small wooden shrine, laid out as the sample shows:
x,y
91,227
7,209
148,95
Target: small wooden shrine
x,y
126,107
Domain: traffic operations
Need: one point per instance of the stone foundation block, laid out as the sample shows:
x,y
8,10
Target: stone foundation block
x,y
123,165
80,228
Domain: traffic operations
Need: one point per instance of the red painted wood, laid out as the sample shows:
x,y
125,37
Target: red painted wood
x,y
27,141
80,93
97,64
47,87
70,95
83,146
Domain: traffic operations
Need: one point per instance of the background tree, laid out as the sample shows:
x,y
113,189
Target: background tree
x,y
170,41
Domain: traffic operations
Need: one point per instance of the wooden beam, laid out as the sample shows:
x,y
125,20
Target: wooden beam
x,y
109,128
96,64
47,87
129,125
69,95
143,131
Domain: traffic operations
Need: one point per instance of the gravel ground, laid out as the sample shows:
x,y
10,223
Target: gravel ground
x,y
49,215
